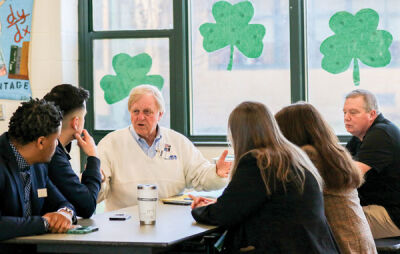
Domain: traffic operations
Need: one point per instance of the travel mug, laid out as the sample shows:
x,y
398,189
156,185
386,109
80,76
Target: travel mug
x,y
147,202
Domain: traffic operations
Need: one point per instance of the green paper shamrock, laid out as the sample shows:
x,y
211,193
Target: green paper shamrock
x,y
232,28
131,72
356,37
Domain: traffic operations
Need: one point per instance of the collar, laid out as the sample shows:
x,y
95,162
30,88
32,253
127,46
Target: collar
x,y
21,162
65,149
140,139
380,118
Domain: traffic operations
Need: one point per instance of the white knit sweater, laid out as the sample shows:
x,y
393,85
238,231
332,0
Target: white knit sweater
x,y
126,165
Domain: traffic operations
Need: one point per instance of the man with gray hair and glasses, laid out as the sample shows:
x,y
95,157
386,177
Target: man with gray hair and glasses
x,y
375,146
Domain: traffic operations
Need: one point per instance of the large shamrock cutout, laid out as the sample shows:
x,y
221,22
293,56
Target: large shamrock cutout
x,y
232,28
356,37
131,72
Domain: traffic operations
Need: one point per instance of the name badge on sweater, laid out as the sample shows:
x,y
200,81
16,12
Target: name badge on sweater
x,y
42,193
166,153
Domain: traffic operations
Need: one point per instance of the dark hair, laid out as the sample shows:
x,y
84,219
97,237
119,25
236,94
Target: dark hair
x,y
33,119
253,129
68,97
303,125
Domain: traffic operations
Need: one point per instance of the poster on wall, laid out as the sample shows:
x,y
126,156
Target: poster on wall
x,y
15,31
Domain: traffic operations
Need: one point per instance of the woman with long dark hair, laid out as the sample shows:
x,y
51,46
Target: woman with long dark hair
x,y
303,125
273,203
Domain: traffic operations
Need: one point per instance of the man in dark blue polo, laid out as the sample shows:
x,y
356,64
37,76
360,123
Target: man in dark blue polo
x,y
29,203
375,146
81,193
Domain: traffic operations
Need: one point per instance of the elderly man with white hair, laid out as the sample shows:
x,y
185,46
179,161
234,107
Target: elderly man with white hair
x,y
146,153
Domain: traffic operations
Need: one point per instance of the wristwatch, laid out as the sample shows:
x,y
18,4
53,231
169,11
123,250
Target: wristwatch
x,y
46,224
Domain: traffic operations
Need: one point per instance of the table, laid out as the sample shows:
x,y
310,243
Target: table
x,y
174,224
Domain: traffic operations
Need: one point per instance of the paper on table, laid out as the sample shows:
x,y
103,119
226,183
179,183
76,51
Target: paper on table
x,y
178,200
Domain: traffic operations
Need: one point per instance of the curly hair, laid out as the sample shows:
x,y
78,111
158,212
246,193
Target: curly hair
x,y
68,97
33,119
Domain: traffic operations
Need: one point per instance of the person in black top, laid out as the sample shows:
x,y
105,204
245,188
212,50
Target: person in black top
x,y
375,146
82,194
273,203
29,203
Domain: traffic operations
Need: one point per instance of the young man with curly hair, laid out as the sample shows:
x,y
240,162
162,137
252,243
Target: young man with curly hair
x,y
81,193
29,203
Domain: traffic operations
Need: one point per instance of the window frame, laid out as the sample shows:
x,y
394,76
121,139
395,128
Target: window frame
x,y
179,57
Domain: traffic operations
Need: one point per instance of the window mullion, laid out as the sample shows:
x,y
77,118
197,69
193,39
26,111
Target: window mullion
x,y
179,96
298,60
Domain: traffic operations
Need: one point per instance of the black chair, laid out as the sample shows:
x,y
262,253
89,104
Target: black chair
x,y
209,241
198,245
388,245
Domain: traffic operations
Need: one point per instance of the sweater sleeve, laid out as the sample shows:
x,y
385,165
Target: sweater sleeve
x,y
104,156
200,174
245,194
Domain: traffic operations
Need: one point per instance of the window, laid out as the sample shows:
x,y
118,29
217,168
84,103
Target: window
x,y
123,43
215,91
327,90
203,80
131,15
115,116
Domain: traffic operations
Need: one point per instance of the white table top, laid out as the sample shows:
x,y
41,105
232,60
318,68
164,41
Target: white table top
x,y
174,224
